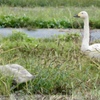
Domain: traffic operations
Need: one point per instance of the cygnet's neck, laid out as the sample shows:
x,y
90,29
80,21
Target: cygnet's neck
x,y
85,41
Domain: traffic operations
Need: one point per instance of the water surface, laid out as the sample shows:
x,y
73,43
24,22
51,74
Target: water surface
x,y
47,33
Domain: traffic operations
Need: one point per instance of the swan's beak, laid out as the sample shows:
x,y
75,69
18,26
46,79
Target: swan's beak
x,y
77,16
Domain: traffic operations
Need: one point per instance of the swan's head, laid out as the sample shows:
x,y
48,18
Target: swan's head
x,y
82,14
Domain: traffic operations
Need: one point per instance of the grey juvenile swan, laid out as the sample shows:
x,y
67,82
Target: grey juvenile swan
x,y
91,50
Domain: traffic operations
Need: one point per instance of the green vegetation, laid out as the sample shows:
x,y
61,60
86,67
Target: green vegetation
x,y
33,3
46,17
58,64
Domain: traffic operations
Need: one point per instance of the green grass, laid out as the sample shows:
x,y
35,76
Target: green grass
x,y
58,64
33,3
47,17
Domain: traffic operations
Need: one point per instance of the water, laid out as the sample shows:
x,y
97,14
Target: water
x,y
39,33
47,33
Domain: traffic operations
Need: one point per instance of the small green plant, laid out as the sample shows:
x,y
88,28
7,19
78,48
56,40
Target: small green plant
x,y
51,24
13,21
5,85
69,37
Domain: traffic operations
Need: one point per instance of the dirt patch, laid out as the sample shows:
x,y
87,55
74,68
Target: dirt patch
x,y
53,97
78,96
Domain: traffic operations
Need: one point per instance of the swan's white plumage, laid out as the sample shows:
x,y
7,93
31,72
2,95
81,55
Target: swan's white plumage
x,y
18,72
93,51
90,50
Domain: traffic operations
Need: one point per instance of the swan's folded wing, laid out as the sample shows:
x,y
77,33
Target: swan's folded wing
x,y
94,48
94,51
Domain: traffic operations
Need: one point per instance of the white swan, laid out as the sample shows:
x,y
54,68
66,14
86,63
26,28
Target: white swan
x,y
90,50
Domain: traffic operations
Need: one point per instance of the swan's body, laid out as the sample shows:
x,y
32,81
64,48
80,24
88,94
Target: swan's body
x,y
19,73
91,50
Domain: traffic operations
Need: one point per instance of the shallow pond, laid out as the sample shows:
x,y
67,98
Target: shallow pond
x,y
47,33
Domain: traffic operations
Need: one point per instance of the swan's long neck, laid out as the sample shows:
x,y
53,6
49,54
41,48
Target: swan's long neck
x,y
85,41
